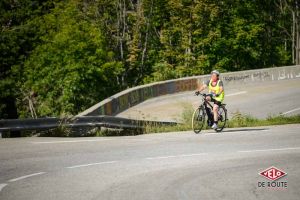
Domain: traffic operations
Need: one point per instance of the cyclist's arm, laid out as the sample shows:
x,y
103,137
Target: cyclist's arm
x,y
201,87
221,87
221,90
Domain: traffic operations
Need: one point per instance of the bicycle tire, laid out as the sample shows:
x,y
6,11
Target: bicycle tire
x,y
198,119
222,119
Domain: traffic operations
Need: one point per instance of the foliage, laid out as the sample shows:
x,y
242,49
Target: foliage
x,y
60,57
72,69
18,36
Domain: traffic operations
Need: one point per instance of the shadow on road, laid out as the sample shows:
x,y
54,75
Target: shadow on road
x,y
246,130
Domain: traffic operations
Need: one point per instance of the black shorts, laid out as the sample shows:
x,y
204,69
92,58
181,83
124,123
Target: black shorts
x,y
215,101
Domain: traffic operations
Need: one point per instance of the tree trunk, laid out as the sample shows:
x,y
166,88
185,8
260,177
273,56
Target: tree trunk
x,y
11,112
293,37
297,34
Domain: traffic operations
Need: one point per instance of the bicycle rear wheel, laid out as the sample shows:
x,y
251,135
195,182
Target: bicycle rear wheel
x,y
198,119
222,118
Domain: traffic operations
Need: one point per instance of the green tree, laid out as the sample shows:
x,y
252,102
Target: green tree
x,y
18,37
60,57
72,69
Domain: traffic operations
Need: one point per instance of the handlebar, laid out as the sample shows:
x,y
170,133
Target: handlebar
x,y
197,93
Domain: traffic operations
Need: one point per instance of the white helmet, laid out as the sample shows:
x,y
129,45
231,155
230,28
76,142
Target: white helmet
x,y
215,72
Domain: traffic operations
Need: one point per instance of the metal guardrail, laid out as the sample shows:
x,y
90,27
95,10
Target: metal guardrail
x,y
9,125
133,96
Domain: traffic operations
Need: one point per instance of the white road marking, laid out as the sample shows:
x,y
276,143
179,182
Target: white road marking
x,y
176,156
91,164
2,186
237,93
131,139
263,150
290,111
70,141
210,133
26,176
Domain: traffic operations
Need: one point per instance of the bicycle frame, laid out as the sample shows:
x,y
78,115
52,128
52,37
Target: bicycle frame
x,y
207,108
207,105
205,102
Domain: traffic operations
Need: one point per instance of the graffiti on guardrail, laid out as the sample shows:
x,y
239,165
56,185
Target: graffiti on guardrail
x,y
125,101
283,74
261,75
134,97
236,78
108,108
121,102
186,85
255,76
147,93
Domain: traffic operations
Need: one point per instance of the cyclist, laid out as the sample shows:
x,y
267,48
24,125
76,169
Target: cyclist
x,y
216,94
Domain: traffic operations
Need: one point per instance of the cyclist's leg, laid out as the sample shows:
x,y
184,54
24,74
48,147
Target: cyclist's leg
x,y
216,106
210,116
215,111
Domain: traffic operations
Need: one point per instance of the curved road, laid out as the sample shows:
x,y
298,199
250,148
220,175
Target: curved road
x,y
155,166
260,100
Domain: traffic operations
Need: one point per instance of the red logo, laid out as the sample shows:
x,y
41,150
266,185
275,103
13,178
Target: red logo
x,y
272,173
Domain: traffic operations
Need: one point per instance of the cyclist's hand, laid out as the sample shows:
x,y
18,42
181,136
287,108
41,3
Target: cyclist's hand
x,y
217,95
197,93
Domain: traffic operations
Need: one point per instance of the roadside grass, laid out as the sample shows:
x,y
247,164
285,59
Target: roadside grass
x,y
247,121
237,120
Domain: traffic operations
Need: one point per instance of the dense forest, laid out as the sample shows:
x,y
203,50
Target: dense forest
x,y
60,57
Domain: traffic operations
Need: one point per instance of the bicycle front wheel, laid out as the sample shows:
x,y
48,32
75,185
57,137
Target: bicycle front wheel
x,y
198,119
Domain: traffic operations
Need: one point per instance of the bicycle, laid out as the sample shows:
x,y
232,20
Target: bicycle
x,y
205,108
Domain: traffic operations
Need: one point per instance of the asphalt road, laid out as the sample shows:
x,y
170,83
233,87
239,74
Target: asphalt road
x,y
155,166
259,100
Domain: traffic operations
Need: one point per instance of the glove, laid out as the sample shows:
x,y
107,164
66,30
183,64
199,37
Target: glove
x,y
217,95
197,93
